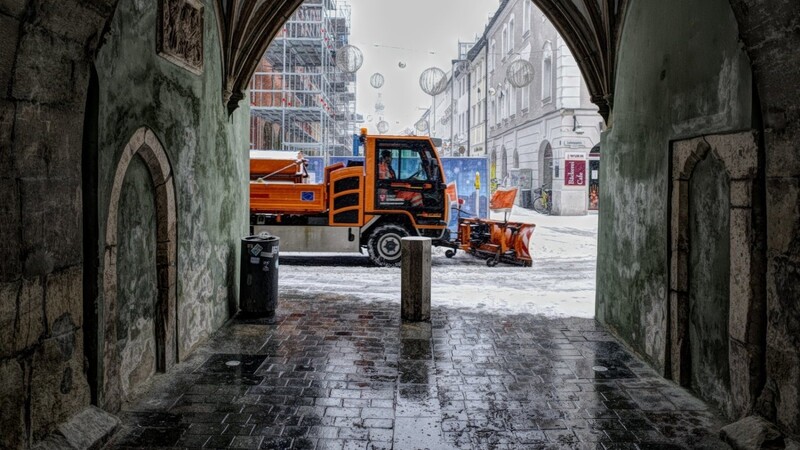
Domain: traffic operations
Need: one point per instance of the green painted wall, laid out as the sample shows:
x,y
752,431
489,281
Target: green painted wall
x,y
206,148
681,73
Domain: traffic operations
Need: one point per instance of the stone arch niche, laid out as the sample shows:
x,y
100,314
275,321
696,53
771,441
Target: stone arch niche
x,y
545,165
145,145
716,317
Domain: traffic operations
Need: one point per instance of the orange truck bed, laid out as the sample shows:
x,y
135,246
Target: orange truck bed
x,y
277,165
287,198
279,184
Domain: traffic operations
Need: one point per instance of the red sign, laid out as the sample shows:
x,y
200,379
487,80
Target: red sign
x,y
574,172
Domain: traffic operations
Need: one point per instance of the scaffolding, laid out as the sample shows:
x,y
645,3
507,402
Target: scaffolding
x,y
299,100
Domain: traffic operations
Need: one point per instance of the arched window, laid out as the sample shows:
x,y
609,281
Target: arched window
x,y
546,165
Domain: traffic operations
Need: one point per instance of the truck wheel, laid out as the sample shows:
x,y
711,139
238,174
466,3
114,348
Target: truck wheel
x,y
384,244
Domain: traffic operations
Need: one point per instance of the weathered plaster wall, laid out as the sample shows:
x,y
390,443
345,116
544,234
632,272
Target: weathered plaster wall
x,y
770,32
207,152
45,55
137,285
682,72
709,278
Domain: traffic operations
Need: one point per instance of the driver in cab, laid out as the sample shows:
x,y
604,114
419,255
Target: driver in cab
x,y
386,172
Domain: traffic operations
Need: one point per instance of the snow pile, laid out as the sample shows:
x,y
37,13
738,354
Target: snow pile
x,y
561,282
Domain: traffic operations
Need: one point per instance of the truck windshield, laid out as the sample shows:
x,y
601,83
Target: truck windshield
x,y
408,160
411,166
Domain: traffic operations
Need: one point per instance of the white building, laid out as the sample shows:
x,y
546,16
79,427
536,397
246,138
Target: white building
x,y
478,76
460,93
540,134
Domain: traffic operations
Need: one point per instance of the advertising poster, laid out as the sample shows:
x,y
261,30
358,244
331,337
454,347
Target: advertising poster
x,y
574,169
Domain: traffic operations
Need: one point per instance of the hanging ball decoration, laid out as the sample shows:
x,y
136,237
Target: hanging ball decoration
x,y
401,65
519,73
383,126
421,125
376,80
433,81
349,59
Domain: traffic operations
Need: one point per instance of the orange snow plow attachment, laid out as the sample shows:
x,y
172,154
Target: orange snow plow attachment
x,y
497,240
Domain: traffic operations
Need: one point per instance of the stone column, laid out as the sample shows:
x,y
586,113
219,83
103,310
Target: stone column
x,y
415,284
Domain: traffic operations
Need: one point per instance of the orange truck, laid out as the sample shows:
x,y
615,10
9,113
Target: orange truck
x,y
398,190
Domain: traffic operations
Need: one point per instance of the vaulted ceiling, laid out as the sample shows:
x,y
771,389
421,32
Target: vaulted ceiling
x,y
591,28
246,28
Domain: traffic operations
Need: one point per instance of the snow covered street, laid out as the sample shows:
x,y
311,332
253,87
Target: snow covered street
x,y
561,282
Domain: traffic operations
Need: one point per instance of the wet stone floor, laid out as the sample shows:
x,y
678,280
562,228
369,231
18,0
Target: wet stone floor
x,y
334,373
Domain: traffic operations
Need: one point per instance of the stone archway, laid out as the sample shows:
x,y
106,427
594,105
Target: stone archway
x,y
144,144
545,175
744,327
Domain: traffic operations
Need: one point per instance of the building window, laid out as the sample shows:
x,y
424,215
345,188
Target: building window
x,y
503,103
547,73
493,59
511,34
526,97
504,40
513,100
504,166
526,16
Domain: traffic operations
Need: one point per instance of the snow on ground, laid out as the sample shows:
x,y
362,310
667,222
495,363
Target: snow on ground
x,y
560,283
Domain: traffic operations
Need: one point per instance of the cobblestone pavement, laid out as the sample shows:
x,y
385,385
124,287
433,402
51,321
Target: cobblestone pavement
x,y
333,373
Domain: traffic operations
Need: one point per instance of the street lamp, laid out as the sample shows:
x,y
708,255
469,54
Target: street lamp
x,y
576,127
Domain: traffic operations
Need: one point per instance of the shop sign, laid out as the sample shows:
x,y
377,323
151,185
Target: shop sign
x,y
574,169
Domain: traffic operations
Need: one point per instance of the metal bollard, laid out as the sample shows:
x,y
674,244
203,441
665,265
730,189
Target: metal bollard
x,y
415,279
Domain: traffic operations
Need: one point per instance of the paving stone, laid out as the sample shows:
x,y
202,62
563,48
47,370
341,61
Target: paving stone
x,y
340,375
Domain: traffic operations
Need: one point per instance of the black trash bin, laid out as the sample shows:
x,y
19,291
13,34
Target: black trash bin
x,y
258,283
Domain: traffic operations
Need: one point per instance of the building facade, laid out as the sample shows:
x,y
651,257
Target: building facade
x,y
478,76
460,105
539,135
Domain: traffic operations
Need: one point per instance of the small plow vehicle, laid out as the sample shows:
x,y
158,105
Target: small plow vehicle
x,y
495,241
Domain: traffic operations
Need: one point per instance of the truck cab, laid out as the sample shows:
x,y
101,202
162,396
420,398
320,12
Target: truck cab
x,y
398,191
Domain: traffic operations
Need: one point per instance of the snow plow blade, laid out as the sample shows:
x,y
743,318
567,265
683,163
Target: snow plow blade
x,y
496,241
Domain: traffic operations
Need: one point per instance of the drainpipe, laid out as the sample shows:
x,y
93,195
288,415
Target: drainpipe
x,y
452,101
469,109
486,100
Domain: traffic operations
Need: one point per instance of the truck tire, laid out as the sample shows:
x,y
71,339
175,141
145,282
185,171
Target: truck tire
x,y
384,246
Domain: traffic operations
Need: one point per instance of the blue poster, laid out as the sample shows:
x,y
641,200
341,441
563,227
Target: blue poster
x,y
464,172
